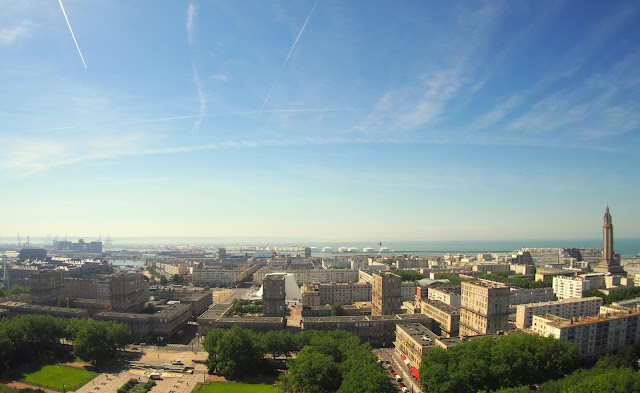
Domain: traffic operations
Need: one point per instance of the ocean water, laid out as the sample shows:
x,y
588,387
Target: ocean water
x,y
625,247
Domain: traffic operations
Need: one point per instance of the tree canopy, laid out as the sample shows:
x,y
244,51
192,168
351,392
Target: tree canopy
x,y
409,275
325,362
27,336
612,374
490,364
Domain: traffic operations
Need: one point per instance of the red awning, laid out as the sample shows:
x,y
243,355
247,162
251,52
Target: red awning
x,y
415,372
403,358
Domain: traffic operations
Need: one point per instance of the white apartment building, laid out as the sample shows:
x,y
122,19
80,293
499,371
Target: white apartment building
x,y
529,295
595,336
566,308
570,287
448,295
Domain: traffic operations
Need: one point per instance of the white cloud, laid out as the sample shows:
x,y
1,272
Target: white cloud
x,y
9,35
221,77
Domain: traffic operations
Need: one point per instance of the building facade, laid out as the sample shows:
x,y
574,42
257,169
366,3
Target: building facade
x,y
484,307
274,296
570,287
413,341
446,318
449,295
595,336
45,286
386,294
566,308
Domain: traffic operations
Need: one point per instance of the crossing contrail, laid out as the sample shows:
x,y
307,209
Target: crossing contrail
x,y
72,35
288,56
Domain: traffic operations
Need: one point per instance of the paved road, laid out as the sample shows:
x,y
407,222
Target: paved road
x,y
399,367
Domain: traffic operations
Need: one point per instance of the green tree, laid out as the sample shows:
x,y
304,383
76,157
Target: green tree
x,y
177,279
18,290
237,354
491,364
409,275
312,372
361,374
336,309
93,342
210,344
163,280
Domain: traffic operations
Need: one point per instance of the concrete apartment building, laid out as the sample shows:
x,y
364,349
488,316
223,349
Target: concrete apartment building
x,y
484,307
379,331
595,336
198,299
129,292
570,287
124,292
386,295
566,308
273,296
45,286
413,341
529,295
14,308
325,311
344,293
304,276
163,324
222,275
449,295
446,318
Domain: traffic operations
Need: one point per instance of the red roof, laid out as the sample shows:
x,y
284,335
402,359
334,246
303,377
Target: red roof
x,y
415,372
402,357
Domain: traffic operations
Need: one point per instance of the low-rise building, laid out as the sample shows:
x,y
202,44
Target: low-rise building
x,y
565,308
595,336
529,295
446,318
379,331
304,276
413,341
449,295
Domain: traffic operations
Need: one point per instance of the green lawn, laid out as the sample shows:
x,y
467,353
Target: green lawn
x,y
236,388
52,376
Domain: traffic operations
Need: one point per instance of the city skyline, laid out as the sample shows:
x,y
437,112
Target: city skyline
x,y
326,120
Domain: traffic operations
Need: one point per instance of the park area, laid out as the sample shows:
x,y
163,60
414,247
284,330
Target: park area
x,y
54,376
235,388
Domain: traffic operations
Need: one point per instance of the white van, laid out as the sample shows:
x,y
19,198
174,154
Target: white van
x,y
155,376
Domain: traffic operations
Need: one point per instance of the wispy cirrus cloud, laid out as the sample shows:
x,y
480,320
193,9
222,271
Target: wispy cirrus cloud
x,y
10,34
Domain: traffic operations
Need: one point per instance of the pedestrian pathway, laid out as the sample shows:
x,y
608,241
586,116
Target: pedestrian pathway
x,y
20,385
106,383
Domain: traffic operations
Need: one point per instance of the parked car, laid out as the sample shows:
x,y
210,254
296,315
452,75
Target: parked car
x,y
177,363
405,389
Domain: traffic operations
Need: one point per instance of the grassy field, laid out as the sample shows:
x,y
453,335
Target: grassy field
x,y
236,388
52,376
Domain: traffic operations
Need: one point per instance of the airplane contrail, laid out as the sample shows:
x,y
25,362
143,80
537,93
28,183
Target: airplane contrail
x,y
288,56
170,118
72,35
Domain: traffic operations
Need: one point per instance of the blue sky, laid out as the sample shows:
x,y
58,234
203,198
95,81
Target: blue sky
x,y
413,120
